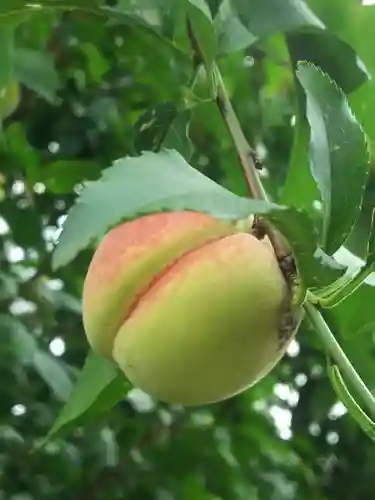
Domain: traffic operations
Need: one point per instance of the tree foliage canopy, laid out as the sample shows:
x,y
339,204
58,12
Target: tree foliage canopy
x,y
106,114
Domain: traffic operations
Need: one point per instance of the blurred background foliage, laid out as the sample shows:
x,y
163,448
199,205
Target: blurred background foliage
x,y
83,88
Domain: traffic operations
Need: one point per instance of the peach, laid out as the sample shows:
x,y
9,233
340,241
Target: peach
x,y
190,308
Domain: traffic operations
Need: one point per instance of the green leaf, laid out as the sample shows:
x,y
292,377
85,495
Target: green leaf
x,y
8,286
315,268
354,409
370,257
62,176
354,23
177,136
355,315
134,18
153,126
54,374
266,17
233,35
300,189
56,298
7,54
97,64
24,222
242,22
146,184
36,70
333,295
16,340
23,346
9,99
203,30
321,49
339,156
99,387
164,181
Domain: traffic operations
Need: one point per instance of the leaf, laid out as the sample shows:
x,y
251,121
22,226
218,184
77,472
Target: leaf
x,y
22,344
335,57
16,340
333,295
52,371
356,315
97,64
266,17
62,176
203,30
25,224
316,269
339,156
242,22
68,302
17,8
354,409
99,387
150,183
57,298
152,127
8,286
164,181
370,257
7,53
9,99
232,33
354,23
36,70
300,189
177,136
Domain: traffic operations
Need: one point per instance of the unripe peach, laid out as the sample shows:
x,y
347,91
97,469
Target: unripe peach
x,y
189,308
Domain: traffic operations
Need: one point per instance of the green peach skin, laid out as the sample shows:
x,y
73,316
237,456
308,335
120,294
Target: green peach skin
x,y
208,328
129,258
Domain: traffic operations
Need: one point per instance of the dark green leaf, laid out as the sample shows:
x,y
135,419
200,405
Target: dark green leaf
x,y
153,126
99,387
266,17
54,374
370,257
57,298
233,35
8,286
338,59
316,269
336,293
9,99
356,315
349,401
354,23
36,71
177,136
7,55
24,222
16,340
300,189
247,21
129,17
339,156
62,176
97,64
203,30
